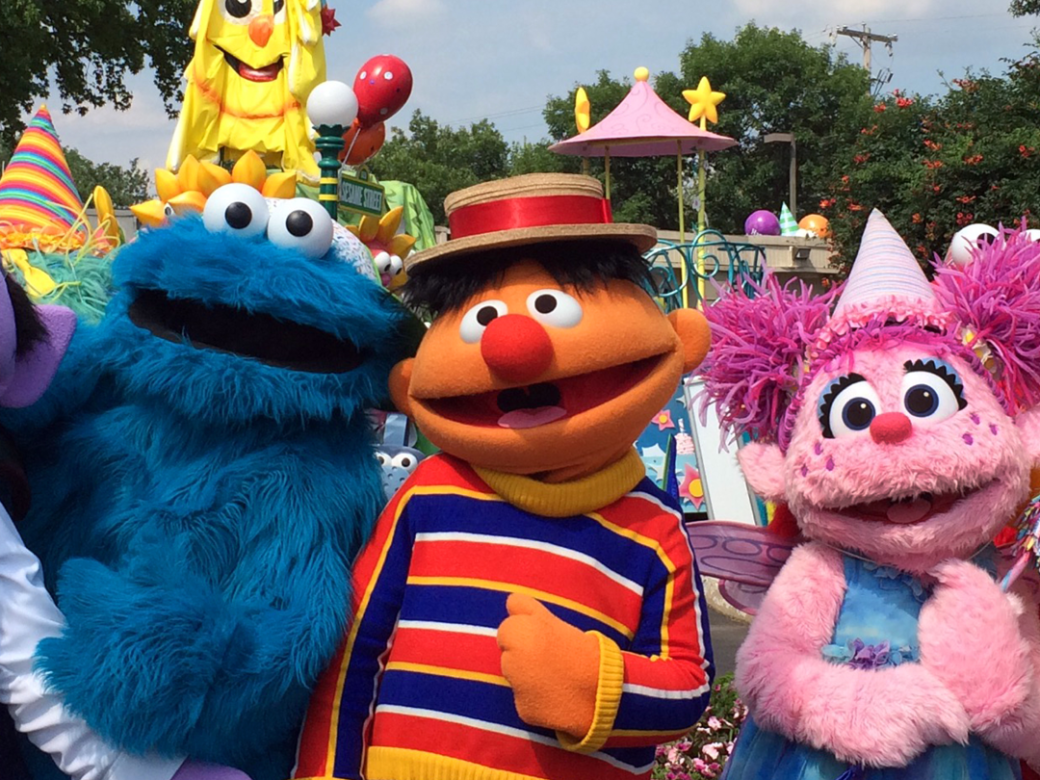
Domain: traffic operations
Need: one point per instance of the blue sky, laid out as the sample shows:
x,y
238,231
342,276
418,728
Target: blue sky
x,y
474,59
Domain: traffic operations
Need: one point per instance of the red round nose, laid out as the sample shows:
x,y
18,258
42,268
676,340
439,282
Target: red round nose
x,y
516,348
890,428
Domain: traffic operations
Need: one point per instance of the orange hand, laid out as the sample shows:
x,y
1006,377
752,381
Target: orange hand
x,y
552,667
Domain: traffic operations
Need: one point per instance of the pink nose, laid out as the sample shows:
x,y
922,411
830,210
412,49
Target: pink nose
x,y
890,428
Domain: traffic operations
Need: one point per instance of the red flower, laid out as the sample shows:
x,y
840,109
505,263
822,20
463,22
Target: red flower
x,y
936,188
917,219
975,159
879,108
860,158
964,218
1026,151
904,102
965,198
933,164
929,143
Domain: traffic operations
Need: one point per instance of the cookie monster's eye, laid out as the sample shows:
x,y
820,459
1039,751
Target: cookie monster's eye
x,y
932,390
847,406
556,308
236,208
478,318
301,224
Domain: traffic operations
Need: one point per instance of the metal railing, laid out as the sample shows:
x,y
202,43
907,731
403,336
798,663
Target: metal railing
x,y
703,257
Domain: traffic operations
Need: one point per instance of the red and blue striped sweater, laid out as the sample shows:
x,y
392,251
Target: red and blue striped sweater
x,y
416,692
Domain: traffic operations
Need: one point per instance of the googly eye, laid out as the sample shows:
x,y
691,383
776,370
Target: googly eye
x,y
236,208
383,262
406,461
478,318
968,240
396,265
932,390
168,211
279,10
239,11
383,458
301,224
847,407
554,307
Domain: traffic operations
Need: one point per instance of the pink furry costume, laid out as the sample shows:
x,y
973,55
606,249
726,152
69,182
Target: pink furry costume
x,y
901,431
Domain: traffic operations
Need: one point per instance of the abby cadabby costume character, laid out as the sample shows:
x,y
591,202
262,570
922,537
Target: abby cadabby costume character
x,y
885,650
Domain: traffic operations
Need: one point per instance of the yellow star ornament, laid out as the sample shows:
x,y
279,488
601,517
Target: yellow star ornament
x,y
703,101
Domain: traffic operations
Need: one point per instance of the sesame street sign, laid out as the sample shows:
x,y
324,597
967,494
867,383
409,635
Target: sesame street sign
x,y
360,196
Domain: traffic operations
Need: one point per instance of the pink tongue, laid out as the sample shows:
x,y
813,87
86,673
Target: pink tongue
x,y
530,418
909,511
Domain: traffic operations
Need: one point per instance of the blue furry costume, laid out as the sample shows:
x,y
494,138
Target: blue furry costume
x,y
202,478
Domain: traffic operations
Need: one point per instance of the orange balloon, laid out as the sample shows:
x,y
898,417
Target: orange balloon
x,y
369,141
816,223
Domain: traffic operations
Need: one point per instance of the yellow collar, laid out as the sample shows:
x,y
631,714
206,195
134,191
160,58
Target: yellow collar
x,y
575,497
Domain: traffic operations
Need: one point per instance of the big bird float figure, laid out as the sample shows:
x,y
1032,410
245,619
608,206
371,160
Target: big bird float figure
x,y
254,66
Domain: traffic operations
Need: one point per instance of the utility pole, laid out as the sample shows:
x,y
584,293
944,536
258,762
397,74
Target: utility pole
x,y
864,38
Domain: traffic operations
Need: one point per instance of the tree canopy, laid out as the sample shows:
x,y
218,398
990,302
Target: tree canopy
x,y
934,165
86,48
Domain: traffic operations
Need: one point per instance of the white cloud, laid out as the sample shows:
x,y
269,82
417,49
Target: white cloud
x,y
404,13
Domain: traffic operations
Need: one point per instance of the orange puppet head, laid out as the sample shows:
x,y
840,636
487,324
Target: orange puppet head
x,y
547,356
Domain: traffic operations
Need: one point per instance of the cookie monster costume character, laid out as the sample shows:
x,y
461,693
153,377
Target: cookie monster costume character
x,y
33,341
900,429
528,605
203,477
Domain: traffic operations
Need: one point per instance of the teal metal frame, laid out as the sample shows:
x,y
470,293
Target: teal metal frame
x,y
707,249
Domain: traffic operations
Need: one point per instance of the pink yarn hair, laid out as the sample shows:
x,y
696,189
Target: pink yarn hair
x,y
760,334
996,300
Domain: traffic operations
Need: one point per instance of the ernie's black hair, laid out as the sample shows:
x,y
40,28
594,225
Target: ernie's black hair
x,y
28,328
447,284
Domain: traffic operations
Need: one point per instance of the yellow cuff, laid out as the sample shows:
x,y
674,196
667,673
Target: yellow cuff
x,y
608,699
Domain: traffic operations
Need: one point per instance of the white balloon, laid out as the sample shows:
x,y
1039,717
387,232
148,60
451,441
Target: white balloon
x,y
1033,234
967,240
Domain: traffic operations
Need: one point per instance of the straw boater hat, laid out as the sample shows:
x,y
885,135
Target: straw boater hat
x,y
530,209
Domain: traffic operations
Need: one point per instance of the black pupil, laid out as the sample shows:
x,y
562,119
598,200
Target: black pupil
x,y
858,413
544,304
921,401
279,5
299,223
486,314
238,8
238,215
406,462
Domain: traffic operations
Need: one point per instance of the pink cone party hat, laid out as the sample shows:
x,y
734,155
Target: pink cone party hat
x,y
886,283
885,277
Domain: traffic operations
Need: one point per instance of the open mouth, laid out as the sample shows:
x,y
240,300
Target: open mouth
x,y
266,73
906,511
529,406
265,338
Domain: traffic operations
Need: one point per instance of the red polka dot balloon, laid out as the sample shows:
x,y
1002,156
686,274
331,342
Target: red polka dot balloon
x,y
382,86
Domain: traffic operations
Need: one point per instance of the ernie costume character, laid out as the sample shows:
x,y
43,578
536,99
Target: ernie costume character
x,y
528,606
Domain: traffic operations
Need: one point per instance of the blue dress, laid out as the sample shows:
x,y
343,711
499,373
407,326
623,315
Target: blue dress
x,y
877,627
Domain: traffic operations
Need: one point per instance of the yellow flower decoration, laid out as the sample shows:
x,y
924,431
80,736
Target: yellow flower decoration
x,y
187,190
703,101
388,247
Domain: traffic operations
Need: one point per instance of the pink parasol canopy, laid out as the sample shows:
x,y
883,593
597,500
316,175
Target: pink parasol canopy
x,y
642,125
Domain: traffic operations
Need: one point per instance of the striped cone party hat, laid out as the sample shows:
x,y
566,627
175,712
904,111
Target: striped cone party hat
x,y
885,273
788,224
39,204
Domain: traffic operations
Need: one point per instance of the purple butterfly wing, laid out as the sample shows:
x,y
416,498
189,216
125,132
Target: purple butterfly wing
x,y
744,558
